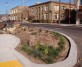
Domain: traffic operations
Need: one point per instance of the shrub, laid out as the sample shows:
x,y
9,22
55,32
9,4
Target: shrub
x,y
38,46
33,33
61,43
34,21
52,52
26,48
40,30
54,34
35,53
48,60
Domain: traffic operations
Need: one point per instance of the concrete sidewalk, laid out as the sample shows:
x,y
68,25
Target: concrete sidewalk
x,y
7,44
8,41
6,55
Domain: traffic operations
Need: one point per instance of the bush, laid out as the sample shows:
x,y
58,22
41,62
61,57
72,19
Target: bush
x,y
26,48
33,33
61,43
54,34
48,60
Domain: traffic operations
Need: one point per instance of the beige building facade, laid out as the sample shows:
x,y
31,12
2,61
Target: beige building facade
x,y
49,11
19,13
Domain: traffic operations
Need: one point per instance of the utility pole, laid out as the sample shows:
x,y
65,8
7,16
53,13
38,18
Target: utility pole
x,y
22,8
69,10
6,3
59,11
77,8
23,2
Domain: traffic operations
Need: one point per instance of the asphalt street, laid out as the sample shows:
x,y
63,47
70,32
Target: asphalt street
x,y
75,32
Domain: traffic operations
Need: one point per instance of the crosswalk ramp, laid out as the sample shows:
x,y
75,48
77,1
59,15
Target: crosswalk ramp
x,y
13,63
7,59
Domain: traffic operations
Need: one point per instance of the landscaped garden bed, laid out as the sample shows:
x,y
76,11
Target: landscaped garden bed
x,y
41,46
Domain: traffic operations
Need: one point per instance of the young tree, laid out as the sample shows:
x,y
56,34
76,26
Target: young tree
x,y
31,14
25,13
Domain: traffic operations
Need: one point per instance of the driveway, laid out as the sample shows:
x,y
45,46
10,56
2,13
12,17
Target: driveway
x,y
74,32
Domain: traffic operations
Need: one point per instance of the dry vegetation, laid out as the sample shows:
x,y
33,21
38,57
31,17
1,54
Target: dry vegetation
x,y
41,46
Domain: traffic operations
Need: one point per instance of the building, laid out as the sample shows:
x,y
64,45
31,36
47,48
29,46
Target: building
x,y
19,13
4,17
79,7
49,11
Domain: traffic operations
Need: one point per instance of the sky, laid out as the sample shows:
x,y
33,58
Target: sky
x,y
14,3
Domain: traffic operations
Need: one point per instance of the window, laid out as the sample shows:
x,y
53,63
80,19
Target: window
x,y
16,10
56,8
63,7
62,17
12,12
55,16
46,8
72,8
45,16
41,9
36,10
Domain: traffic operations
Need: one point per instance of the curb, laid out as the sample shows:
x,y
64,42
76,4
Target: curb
x,y
70,61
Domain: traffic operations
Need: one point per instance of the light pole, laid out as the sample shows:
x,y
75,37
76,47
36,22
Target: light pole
x,y
59,11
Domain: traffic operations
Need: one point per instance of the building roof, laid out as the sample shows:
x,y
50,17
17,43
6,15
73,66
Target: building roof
x,y
19,7
15,7
50,2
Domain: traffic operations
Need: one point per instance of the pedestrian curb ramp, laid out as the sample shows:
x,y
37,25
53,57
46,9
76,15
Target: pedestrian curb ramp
x,y
8,43
13,63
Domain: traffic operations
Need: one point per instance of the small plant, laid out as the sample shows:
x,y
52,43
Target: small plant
x,y
48,60
40,30
33,33
54,34
26,48
46,31
24,29
61,42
